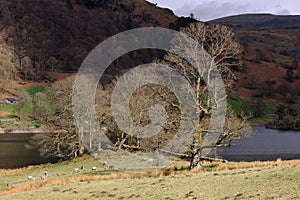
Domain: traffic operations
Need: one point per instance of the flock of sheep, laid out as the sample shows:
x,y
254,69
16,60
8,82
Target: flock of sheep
x,y
76,170
44,177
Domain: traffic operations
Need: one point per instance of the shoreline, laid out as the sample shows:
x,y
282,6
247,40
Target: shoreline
x,y
21,130
26,131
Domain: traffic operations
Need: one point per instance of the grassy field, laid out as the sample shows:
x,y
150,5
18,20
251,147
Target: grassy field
x,y
12,111
256,180
267,110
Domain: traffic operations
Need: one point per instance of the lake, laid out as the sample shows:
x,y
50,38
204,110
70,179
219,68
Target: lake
x,y
14,154
264,144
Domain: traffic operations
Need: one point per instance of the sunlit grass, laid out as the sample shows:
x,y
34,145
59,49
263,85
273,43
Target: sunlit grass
x,y
218,180
253,180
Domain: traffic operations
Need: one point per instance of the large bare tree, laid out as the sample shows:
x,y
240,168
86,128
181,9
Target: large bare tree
x,y
223,56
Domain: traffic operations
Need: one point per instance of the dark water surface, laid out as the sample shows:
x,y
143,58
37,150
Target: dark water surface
x,y
264,144
14,154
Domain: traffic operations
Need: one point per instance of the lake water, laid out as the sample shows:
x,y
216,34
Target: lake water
x,y
14,154
264,144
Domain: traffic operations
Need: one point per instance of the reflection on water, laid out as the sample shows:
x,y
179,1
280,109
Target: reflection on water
x,y
264,144
14,154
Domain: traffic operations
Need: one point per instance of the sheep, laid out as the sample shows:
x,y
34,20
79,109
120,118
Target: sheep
x,y
151,160
95,154
111,167
104,163
76,170
143,160
46,174
43,178
10,185
82,168
94,168
31,178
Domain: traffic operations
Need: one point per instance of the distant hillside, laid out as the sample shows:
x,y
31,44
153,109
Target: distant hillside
x,y
44,38
261,21
271,55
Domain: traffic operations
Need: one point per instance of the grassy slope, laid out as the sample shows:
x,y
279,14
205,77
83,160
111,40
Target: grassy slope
x,y
276,180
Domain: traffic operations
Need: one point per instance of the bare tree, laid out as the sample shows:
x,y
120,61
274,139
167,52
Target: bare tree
x,y
235,128
224,53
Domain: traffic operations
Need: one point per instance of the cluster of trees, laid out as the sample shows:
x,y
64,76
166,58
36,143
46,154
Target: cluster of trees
x,y
288,118
292,71
8,69
53,108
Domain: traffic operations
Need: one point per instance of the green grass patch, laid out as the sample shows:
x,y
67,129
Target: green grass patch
x,y
8,117
27,109
238,103
270,108
262,120
14,110
235,105
11,108
32,90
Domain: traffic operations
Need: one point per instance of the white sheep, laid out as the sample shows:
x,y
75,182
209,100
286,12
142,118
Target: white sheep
x,y
94,168
46,174
43,178
31,178
151,160
76,170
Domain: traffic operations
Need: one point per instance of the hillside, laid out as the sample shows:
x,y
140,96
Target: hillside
x,y
44,41
261,21
47,38
55,36
271,55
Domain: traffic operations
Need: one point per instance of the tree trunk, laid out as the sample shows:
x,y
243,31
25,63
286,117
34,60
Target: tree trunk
x,y
122,141
196,159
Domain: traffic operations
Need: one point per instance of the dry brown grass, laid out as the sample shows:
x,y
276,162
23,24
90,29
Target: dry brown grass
x,y
4,172
246,165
